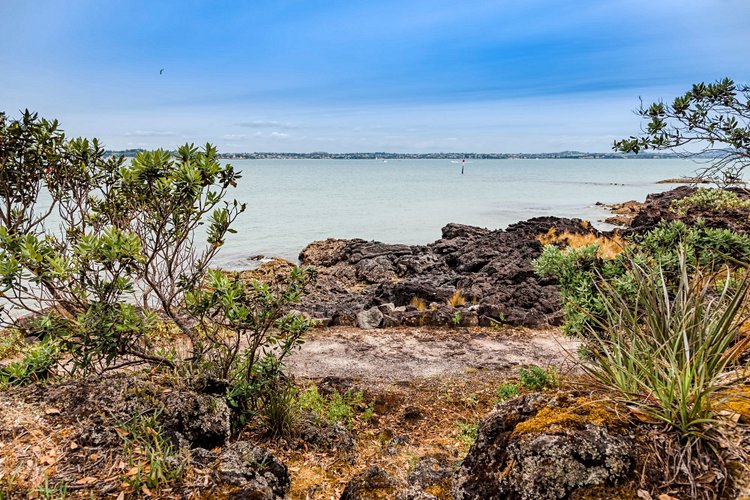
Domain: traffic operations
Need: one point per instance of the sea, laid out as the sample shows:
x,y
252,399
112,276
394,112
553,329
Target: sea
x,y
291,203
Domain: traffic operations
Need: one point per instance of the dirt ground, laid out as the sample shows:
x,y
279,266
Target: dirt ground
x,y
405,354
428,387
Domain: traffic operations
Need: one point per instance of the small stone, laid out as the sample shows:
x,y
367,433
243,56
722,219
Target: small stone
x,y
370,319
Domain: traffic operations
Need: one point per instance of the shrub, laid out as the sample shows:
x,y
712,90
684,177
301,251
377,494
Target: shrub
x,y
278,409
110,236
711,200
246,334
36,365
580,271
535,378
337,407
507,391
667,353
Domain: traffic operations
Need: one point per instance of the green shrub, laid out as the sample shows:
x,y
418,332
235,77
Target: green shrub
x,y
246,335
535,378
36,365
467,433
667,353
336,408
506,391
278,409
580,271
121,234
709,199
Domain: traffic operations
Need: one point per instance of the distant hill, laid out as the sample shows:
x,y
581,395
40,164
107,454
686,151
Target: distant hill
x,y
321,155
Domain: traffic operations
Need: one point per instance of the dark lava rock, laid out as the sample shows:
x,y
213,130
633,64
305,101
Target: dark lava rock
x,y
551,462
492,269
256,470
372,484
323,435
656,208
430,478
201,419
411,413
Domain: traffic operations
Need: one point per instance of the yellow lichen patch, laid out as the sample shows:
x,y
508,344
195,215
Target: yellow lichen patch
x,y
738,402
576,414
609,247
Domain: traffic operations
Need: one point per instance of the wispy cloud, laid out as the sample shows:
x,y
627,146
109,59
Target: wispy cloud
x,y
151,133
268,124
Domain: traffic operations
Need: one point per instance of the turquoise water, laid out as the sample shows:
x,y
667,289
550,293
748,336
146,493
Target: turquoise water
x,y
294,202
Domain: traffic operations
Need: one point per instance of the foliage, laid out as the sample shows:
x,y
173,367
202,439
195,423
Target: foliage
x,y
11,342
667,354
709,199
246,335
577,270
467,433
535,378
279,411
336,408
580,270
96,244
712,117
456,319
507,391
152,458
37,364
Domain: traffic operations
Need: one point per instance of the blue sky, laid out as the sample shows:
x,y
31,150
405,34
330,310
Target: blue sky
x,y
491,76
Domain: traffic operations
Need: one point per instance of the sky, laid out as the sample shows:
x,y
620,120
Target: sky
x,y
345,76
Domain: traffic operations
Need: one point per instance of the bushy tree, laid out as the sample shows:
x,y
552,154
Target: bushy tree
x,y
101,248
709,118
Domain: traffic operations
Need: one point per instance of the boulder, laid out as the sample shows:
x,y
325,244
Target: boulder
x,y
201,419
259,474
545,447
492,268
371,484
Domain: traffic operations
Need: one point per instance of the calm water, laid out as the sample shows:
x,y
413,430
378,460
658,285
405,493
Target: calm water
x,y
294,202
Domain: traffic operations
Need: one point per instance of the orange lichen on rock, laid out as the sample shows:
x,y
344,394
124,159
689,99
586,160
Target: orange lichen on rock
x,y
738,401
609,247
574,414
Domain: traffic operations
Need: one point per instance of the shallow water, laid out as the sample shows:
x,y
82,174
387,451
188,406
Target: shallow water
x,y
294,202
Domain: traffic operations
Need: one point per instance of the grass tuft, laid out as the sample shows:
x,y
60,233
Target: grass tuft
x,y
669,357
457,299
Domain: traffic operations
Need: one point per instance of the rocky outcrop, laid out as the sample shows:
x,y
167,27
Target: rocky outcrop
x,y
201,419
371,484
491,270
255,470
656,208
540,446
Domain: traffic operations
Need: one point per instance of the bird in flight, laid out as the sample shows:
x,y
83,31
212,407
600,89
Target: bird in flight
x,y
161,71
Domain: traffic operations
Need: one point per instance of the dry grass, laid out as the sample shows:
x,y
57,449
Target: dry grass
x,y
457,299
420,304
609,247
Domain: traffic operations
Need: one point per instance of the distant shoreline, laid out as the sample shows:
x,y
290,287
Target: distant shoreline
x,y
382,156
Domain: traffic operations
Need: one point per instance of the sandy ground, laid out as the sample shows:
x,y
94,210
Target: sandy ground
x,y
403,354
